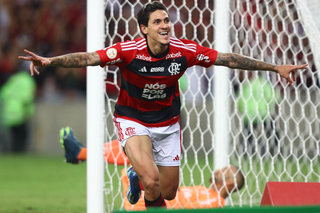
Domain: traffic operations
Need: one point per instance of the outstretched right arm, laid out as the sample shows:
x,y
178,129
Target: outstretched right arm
x,y
73,60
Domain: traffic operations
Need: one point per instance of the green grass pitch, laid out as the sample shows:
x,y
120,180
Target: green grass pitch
x,y
45,184
41,184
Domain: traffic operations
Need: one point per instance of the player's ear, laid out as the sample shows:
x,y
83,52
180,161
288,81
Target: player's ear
x,y
144,29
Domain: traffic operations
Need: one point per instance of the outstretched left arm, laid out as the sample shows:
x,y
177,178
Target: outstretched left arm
x,y
237,61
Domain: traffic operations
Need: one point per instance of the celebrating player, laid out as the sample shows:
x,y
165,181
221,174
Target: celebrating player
x,y
148,106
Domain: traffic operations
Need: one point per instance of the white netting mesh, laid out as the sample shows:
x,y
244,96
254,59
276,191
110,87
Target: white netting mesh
x,y
281,141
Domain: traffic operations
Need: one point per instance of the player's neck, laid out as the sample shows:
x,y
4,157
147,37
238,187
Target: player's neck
x,y
156,47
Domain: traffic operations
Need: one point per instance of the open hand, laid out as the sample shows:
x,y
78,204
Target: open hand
x,y
35,61
285,71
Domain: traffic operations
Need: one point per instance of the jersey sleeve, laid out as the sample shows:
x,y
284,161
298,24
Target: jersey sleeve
x,y
111,56
203,56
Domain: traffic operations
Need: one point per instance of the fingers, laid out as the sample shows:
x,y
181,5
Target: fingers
x,y
25,58
293,76
33,69
303,66
28,58
30,53
291,82
293,73
34,58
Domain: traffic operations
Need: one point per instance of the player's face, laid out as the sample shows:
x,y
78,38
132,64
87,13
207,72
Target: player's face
x,y
159,28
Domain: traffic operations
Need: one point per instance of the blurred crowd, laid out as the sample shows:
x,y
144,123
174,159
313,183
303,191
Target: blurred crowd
x,y
48,28
56,27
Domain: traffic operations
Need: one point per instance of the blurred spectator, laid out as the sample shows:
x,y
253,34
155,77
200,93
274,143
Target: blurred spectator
x,y
257,106
17,96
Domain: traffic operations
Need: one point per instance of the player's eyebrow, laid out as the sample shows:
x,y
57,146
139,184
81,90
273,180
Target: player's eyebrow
x,y
159,19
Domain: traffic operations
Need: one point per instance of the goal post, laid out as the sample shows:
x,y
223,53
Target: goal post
x,y
221,86
254,120
95,110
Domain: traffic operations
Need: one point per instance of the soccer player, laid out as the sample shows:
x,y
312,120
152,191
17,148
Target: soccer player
x,y
148,106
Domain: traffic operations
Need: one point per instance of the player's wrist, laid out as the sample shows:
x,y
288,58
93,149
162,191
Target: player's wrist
x,y
276,69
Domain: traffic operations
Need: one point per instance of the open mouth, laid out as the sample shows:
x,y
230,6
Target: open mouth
x,y
163,33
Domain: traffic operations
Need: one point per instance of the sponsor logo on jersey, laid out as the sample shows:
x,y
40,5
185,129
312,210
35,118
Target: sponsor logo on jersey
x,y
112,53
174,68
114,61
143,69
174,55
204,58
143,57
157,69
154,91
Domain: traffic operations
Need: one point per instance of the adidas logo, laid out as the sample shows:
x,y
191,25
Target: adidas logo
x,y
176,158
143,69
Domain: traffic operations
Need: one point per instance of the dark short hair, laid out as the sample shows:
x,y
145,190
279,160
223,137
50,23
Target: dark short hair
x,y
144,13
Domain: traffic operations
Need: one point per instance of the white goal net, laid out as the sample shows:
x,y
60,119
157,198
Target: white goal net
x,y
273,128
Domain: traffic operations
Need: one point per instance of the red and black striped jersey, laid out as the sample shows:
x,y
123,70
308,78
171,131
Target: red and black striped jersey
x,y
149,91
